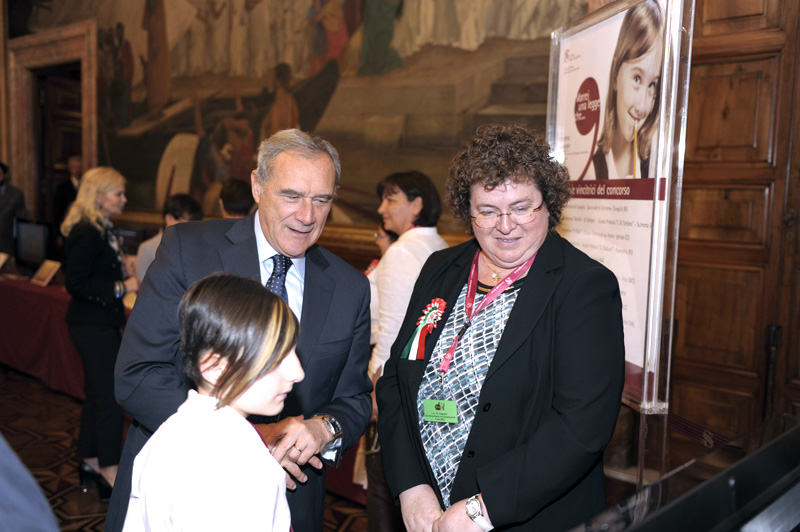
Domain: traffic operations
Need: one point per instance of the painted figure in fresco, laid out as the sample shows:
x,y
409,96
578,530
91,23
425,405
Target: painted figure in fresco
x,y
261,29
377,55
228,152
220,33
105,75
238,48
353,14
284,113
157,65
632,103
123,77
330,32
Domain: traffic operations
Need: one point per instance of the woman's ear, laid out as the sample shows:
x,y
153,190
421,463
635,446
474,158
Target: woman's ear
x,y
211,367
416,207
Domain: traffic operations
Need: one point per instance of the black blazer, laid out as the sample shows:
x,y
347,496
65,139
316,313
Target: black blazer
x,y
92,267
548,405
64,196
333,347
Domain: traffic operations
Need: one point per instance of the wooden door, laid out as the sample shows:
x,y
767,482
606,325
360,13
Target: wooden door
x,y
732,258
60,105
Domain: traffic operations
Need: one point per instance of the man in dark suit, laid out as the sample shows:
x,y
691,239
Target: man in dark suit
x,y
67,190
12,208
294,185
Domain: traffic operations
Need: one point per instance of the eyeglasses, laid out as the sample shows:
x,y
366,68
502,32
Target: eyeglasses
x,y
489,218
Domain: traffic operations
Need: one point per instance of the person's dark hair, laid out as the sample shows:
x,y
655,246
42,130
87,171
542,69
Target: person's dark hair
x,y
414,185
242,322
4,167
183,207
506,152
237,197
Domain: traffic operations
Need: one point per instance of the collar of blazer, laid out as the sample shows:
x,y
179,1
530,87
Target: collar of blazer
x,y
536,293
540,283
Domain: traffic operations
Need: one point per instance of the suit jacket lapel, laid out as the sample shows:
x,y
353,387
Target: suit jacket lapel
x,y
317,295
538,288
241,256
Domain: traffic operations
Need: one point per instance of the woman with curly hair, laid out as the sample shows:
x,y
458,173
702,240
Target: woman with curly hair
x,y
504,384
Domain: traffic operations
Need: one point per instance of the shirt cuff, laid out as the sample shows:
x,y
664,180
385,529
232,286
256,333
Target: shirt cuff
x,y
333,449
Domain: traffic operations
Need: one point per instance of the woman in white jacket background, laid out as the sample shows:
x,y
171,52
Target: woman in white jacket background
x,y
410,208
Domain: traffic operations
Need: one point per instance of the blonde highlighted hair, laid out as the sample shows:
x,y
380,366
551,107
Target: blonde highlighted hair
x,y
240,321
95,181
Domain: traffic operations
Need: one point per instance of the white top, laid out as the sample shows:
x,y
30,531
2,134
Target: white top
x,y
295,276
391,284
206,470
146,254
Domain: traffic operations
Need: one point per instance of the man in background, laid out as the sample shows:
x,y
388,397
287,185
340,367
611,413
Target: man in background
x,y
12,208
235,199
178,208
67,190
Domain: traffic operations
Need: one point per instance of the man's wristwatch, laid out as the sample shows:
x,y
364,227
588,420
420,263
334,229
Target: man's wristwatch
x,y
475,513
333,425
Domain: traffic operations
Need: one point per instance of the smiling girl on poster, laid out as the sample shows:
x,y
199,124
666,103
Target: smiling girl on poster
x,y
631,112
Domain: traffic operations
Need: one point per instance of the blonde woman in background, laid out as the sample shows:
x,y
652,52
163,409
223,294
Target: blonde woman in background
x,y
97,276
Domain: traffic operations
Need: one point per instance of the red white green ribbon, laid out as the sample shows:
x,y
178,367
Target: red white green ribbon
x,y
415,349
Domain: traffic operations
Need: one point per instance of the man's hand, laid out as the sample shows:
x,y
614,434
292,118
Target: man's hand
x,y
420,508
294,442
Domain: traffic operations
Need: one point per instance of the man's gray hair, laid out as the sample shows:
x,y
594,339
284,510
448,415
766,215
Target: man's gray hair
x,y
298,143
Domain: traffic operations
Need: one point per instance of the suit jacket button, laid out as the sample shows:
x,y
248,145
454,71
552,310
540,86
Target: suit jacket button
x,y
470,454
487,406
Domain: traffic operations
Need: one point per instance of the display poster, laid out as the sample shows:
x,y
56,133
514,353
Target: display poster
x,y
605,125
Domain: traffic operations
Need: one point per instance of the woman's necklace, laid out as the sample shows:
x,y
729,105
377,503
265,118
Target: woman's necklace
x,y
495,274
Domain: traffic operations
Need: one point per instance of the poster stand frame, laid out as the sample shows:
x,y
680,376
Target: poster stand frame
x,y
646,393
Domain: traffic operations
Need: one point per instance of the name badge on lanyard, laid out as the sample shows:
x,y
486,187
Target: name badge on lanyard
x,y
440,411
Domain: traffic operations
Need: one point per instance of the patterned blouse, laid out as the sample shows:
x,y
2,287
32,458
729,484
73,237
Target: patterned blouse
x,y
444,442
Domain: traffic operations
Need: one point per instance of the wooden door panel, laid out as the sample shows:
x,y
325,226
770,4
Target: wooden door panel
x,y
724,412
726,214
717,309
730,112
61,135
714,17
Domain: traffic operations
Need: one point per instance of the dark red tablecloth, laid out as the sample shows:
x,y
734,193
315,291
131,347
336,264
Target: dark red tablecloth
x,y
34,337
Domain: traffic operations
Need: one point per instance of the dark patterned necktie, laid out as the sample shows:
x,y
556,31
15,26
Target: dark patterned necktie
x,y
277,281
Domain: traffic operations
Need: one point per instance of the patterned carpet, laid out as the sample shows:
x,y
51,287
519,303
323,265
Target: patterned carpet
x,y
42,427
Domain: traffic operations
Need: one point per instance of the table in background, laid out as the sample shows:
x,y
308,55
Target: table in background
x,y
34,337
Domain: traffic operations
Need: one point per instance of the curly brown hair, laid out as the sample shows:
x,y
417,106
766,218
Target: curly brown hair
x,y
506,152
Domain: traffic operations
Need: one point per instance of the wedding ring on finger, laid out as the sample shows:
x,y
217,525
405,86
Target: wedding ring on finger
x,y
299,450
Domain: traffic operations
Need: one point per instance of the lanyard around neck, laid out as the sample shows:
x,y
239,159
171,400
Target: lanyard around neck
x,y
469,301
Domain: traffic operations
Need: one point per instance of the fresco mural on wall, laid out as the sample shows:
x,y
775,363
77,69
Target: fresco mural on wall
x,y
188,88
